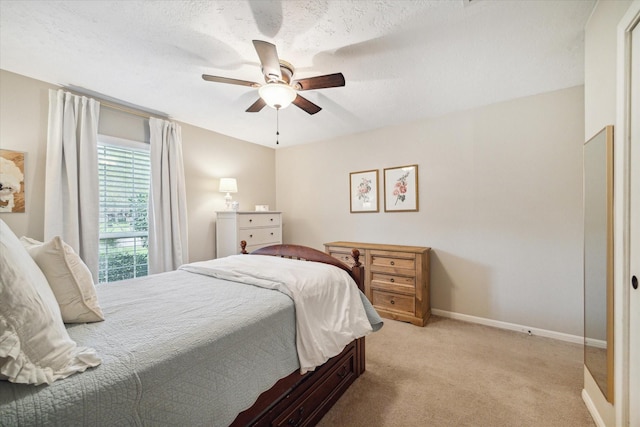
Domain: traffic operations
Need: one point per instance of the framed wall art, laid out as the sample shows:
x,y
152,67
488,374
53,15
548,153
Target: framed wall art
x,y
401,189
11,181
363,187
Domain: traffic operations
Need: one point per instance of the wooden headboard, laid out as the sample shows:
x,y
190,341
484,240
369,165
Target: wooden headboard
x,y
309,254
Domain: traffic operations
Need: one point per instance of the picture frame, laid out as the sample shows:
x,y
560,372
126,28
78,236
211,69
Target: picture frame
x,y
401,189
363,191
12,179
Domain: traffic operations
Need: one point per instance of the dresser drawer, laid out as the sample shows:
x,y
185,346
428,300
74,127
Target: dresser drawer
x,y
258,220
308,409
391,262
401,284
393,302
260,236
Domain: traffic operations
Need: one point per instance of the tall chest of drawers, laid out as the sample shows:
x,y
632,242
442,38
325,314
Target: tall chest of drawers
x,y
396,278
258,229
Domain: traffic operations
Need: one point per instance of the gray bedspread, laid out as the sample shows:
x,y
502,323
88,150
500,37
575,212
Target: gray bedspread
x,y
177,349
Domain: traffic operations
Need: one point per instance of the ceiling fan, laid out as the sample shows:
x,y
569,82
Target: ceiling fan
x,y
280,89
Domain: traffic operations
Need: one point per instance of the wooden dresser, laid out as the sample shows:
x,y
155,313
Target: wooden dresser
x,y
259,229
396,278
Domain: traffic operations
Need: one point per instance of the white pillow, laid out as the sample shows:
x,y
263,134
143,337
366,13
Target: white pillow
x,y
35,347
69,278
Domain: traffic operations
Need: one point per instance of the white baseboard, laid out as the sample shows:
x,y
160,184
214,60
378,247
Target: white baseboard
x,y
592,342
592,409
510,326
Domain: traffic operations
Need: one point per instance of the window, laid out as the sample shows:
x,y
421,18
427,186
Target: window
x,y
124,170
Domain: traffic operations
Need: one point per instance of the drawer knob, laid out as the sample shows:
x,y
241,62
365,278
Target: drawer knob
x,y
271,220
343,372
393,263
272,234
250,220
393,280
250,235
293,422
392,301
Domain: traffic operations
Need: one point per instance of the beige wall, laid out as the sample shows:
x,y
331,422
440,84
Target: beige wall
x,y
24,109
500,204
600,110
208,156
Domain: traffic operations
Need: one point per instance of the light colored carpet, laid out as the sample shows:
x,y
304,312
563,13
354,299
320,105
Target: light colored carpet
x,y
454,373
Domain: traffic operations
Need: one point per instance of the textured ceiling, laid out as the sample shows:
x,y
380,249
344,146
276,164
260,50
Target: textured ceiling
x,y
402,60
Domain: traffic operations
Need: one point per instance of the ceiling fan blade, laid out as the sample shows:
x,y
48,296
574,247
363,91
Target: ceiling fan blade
x,y
269,59
320,82
306,105
230,81
256,106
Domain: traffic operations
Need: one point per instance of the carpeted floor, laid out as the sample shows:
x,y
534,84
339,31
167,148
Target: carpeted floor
x,y
453,373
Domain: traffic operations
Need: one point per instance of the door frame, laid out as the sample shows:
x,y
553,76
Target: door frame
x,y
622,214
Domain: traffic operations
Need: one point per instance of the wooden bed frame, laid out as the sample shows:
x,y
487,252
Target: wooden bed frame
x,y
302,400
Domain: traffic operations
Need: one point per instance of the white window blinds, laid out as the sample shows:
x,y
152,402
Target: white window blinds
x,y
123,170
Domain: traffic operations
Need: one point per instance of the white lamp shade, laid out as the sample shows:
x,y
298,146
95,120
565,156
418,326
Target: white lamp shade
x,y
277,95
228,185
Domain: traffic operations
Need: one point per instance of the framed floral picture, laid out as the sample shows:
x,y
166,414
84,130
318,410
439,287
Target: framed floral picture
x,y
401,189
364,191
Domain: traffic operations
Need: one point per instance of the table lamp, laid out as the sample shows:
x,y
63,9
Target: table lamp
x,y
228,185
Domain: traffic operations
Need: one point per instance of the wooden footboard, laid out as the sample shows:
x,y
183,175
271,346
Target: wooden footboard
x,y
302,400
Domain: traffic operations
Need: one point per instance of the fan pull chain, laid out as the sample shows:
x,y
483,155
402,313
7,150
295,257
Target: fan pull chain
x,y
277,125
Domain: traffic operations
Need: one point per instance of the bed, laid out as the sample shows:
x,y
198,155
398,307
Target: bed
x,y
192,347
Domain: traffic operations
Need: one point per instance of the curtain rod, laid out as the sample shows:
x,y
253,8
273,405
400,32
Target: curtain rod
x,y
130,110
119,107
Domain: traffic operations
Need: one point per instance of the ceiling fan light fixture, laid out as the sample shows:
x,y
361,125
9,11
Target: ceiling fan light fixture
x,y
277,95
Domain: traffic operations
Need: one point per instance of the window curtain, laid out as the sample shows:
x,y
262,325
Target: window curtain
x,y
168,242
71,188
